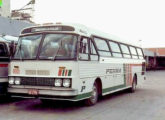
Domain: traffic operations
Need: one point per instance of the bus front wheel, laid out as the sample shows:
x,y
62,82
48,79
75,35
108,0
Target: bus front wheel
x,y
94,96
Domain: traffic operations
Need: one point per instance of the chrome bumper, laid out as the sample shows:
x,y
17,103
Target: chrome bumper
x,y
48,91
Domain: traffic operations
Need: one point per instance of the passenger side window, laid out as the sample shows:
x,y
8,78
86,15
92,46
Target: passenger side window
x,y
140,53
115,49
125,51
133,52
92,48
102,47
83,49
93,53
101,44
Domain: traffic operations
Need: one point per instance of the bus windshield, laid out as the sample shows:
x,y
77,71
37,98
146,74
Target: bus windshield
x,y
28,47
58,46
54,46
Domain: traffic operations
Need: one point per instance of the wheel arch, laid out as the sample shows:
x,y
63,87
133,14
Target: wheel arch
x,y
99,83
135,75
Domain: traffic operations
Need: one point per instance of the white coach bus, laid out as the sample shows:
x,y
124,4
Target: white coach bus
x,y
73,62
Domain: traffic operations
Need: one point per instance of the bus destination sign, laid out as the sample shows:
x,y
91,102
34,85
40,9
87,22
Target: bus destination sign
x,y
51,28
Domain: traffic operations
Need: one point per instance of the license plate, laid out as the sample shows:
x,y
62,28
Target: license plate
x,y
33,92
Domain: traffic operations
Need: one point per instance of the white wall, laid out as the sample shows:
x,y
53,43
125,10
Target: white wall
x,y
5,8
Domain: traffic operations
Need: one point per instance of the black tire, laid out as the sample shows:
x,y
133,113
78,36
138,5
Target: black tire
x,y
5,98
134,84
46,101
94,96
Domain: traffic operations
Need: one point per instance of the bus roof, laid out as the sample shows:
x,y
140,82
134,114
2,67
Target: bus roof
x,y
76,28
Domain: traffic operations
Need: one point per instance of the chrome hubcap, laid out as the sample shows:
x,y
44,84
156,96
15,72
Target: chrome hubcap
x,y
94,94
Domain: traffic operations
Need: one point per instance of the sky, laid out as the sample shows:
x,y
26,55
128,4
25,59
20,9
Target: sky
x,y
140,21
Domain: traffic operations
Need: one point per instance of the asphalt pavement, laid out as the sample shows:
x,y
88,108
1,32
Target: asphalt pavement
x,y
147,103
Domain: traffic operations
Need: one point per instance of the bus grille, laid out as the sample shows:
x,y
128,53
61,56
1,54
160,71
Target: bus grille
x,y
37,81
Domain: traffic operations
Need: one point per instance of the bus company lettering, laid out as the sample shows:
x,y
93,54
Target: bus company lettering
x,y
110,71
64,72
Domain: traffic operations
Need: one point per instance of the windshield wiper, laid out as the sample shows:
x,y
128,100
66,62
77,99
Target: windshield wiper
x,y
58,50
19,50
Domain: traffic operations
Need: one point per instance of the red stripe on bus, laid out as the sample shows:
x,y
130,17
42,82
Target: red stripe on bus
x,y
133,65
60,72
130,74
3,65
136,64
127,67
66,72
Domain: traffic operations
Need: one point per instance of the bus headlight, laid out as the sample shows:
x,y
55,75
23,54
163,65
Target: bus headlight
x,y
58,82
66,82
17,81
11,80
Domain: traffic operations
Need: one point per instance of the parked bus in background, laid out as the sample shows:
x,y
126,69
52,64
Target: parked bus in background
x,y
73,62
4,61
7,47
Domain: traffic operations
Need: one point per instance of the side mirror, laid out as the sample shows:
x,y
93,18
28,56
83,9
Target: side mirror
x,y
12,48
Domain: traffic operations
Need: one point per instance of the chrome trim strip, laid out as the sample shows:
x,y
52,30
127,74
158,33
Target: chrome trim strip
x,y
42,87
45,92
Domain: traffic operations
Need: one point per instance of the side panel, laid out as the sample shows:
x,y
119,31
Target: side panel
x,y
115,73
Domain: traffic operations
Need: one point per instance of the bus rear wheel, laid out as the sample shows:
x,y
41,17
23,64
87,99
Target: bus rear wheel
x,y
94,96
134,84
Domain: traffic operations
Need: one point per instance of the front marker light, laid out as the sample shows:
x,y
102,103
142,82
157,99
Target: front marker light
x,y
11,81
66,82
58,82
17,81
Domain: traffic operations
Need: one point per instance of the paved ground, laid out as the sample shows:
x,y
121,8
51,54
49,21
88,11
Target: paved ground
x,y
147,103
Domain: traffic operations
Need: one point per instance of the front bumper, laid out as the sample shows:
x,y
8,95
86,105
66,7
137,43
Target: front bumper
x,y
43,92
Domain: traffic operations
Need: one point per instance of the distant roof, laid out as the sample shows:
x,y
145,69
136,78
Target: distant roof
x,y
149,53
158,51
12,27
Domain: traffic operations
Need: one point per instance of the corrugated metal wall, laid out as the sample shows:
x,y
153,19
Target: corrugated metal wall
x,y
12,27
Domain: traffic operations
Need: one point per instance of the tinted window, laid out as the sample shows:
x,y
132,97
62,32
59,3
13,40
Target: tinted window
x,y
127,56
114,47
124,49
117,54
84,46
104,53
133,50
83,49
92,48
134,56
101,44
58,46
28,47
3,51
139,52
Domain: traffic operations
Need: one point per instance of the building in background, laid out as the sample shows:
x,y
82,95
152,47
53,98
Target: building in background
x,y
9,28
155,58
5,8
12,27
150,58
26,13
